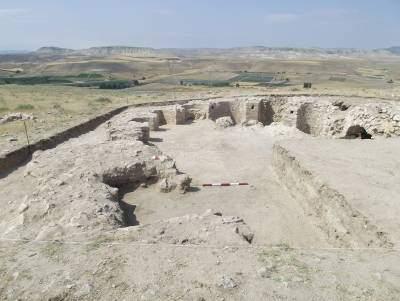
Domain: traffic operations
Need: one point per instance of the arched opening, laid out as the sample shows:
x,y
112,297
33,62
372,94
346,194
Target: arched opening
x,y
357,132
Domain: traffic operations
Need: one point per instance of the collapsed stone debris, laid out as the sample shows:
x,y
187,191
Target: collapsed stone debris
x,y
208,228
16,116
224,122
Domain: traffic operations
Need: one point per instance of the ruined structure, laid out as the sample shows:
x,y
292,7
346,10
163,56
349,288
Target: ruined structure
x,y
125,205
322,117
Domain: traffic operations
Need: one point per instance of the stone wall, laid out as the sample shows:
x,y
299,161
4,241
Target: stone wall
x,y
310,118
17,158
253,110
219,109
172,115
240,110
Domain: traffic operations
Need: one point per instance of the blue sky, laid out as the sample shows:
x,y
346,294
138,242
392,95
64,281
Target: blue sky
x,y
29,24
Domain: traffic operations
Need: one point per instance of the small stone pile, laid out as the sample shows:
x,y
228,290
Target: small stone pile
x,y
16,116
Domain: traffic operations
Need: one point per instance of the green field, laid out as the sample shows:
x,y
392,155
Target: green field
x,y
253,77
209,83
80,80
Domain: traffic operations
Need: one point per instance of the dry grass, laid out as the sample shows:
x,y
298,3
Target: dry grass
x,y
59,107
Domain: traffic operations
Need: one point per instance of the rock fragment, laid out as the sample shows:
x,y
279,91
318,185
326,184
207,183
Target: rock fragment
x,y
227,282
224,122
246,233
166,185
23,207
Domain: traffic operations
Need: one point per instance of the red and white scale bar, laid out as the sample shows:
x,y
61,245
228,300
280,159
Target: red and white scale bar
x,y
225,184
214,184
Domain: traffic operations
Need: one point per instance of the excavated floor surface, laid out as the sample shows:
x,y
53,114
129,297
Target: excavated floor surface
x,y
235,154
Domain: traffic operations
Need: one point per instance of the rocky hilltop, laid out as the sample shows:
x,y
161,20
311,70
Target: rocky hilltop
x,y
286,52
255,51
101,51
120,50
394,50
53,50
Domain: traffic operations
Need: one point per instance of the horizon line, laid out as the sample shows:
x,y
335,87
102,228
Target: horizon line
x,y
198,48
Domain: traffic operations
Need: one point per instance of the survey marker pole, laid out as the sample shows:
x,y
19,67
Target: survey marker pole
x,y
27,137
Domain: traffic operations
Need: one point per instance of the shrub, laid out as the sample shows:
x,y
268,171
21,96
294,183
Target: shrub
x,y
253,77
90,75
58,107
103,100
33,80
116,84
25,107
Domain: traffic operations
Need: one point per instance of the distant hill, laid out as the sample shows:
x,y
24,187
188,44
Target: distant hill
x,y
120,50
281,52
53,51
256,51
2,52
394,50
101,51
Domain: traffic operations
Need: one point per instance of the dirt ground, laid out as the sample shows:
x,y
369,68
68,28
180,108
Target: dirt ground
x,y
306,228
368,172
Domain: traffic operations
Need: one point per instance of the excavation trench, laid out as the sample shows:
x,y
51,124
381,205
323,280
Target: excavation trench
x,y
344,225
129,217
240,154
208,154
232,155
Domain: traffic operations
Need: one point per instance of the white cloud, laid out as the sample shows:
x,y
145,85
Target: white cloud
x,y
281,18
12,12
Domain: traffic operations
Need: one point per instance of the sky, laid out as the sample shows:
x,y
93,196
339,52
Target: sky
x,y
30,24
